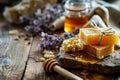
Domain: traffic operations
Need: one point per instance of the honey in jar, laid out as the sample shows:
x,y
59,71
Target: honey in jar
x,y
76,14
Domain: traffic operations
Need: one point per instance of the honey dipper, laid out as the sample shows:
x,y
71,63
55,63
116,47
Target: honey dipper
x,y
52,65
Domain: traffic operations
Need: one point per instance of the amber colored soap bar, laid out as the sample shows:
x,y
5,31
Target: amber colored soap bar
x,y
93,35
72,45
100,51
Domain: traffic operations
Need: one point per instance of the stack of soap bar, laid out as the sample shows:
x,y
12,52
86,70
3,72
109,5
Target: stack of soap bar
x,y
100,51
72,45
93,35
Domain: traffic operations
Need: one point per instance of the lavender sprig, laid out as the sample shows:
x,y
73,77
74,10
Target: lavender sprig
x,y
52,42
42,18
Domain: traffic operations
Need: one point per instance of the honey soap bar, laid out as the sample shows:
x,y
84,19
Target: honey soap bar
x,y
100,51
95,37
72,45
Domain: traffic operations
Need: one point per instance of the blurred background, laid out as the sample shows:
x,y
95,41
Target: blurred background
x,y
4,3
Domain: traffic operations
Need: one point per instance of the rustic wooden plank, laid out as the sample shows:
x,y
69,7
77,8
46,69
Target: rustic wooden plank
x,y
34,69
13,54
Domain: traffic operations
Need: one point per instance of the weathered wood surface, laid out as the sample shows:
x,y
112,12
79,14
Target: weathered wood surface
x,y
21,62
34,69
13,54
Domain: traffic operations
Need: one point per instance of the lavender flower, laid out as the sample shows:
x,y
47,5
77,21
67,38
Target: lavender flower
x,y
38,25
41,19
52,42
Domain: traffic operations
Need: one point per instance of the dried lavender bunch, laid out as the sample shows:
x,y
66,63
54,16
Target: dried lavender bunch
x,y
42,18
38,25
52,42
49,42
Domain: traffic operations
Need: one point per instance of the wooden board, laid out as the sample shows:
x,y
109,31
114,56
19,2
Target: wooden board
x,y
13,54
15,64
34,69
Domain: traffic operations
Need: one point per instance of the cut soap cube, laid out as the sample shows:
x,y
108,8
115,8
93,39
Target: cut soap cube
x,y
100,51
93,35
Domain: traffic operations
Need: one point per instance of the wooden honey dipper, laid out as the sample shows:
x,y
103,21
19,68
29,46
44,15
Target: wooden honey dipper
x,y
52,65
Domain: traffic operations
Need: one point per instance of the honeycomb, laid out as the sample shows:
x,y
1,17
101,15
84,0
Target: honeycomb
x,y
72,45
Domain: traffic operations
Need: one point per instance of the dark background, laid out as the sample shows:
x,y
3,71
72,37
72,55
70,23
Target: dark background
x,y
4,3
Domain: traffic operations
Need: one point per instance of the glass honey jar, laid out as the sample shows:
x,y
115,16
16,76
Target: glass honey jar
x,y
76,14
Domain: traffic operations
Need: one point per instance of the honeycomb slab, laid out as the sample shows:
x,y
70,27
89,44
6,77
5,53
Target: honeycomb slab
x,y
72,45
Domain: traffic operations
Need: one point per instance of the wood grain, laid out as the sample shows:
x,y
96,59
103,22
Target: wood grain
x,y
34,69
13,54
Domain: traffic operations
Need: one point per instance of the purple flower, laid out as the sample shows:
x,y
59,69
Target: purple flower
x,y
37,29
36,22
38,13
43,34
28,28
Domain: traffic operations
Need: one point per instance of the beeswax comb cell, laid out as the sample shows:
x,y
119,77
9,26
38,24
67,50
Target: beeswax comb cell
x,y
72,45
100,51
94,36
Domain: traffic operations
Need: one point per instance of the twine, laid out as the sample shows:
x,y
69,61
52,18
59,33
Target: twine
x,y
107,32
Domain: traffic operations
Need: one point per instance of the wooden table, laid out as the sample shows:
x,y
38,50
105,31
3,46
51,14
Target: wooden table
x,y
20,61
